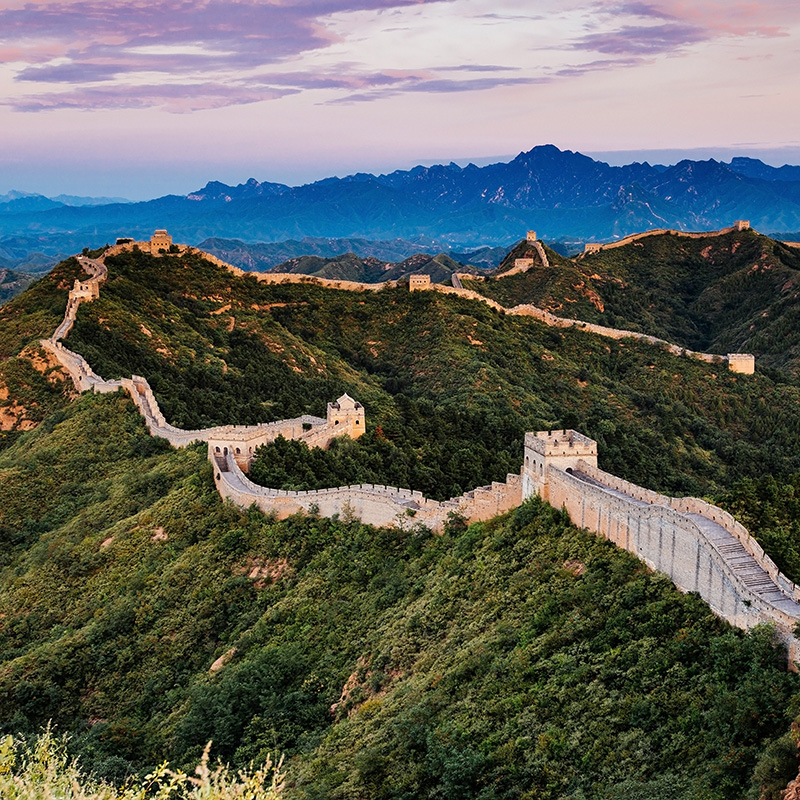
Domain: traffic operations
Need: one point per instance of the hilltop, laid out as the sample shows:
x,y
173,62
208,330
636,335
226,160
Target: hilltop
x,y
736,292
146,616
562,194
12,283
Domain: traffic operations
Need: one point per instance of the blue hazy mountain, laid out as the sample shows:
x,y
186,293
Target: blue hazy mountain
x,y
561,194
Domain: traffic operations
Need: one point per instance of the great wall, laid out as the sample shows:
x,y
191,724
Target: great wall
x,y
597,247
699,546
737,362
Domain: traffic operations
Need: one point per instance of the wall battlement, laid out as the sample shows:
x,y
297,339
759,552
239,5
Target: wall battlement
x,y
596,247
699,546
419,283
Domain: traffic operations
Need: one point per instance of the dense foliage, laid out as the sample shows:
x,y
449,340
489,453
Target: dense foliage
x,y
518,658
450,379
30,387
732,293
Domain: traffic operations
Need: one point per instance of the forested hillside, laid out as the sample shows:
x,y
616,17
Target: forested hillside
x,y
12,283
519,658
350,267
449,381
732,293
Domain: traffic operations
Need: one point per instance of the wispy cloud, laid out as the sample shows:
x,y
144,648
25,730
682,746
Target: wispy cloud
x,y
601,65
180,56
179,98
643,40
435,86
187,45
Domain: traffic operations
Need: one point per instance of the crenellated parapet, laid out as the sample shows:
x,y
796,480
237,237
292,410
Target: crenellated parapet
x,y
700,547
596,247
371,503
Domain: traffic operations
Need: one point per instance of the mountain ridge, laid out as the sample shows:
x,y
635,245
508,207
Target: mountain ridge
x,y
148,617
559,193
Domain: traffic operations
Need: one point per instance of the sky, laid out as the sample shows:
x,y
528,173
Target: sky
x,y
138,99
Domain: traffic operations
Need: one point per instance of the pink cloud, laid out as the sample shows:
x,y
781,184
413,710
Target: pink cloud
x,y
173,98
98,44
670,26
643,39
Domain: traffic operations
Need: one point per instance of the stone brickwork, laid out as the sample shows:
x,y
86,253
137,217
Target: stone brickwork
x,y
419,283
742,362
699,546
594,247
160,240
372,504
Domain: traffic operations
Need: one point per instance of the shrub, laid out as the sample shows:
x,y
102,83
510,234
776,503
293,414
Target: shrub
x,y
42,768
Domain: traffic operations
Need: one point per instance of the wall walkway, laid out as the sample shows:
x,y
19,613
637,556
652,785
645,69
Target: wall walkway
x,y
699,546
635,237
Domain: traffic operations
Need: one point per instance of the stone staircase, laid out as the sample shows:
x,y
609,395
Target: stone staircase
x,y
744,566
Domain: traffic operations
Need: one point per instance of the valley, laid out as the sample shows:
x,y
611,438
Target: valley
x,y
146,616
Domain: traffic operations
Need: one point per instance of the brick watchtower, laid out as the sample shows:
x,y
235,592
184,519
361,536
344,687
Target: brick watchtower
x,y
348,414
545,449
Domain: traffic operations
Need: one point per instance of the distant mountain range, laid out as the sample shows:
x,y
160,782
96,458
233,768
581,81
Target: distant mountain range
x,y
266,256
12,283
561,194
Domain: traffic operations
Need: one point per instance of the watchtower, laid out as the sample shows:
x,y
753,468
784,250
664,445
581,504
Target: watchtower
x,y
531,236
417,283
742,225
592,247
743,363
348,414
562,449
85,290
160,240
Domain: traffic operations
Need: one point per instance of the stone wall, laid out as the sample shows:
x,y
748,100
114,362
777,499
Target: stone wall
x,y
291,277
521,310
370,503
694,505
635,237
524,264
470,294
664,539
528,310
743,363
699,546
